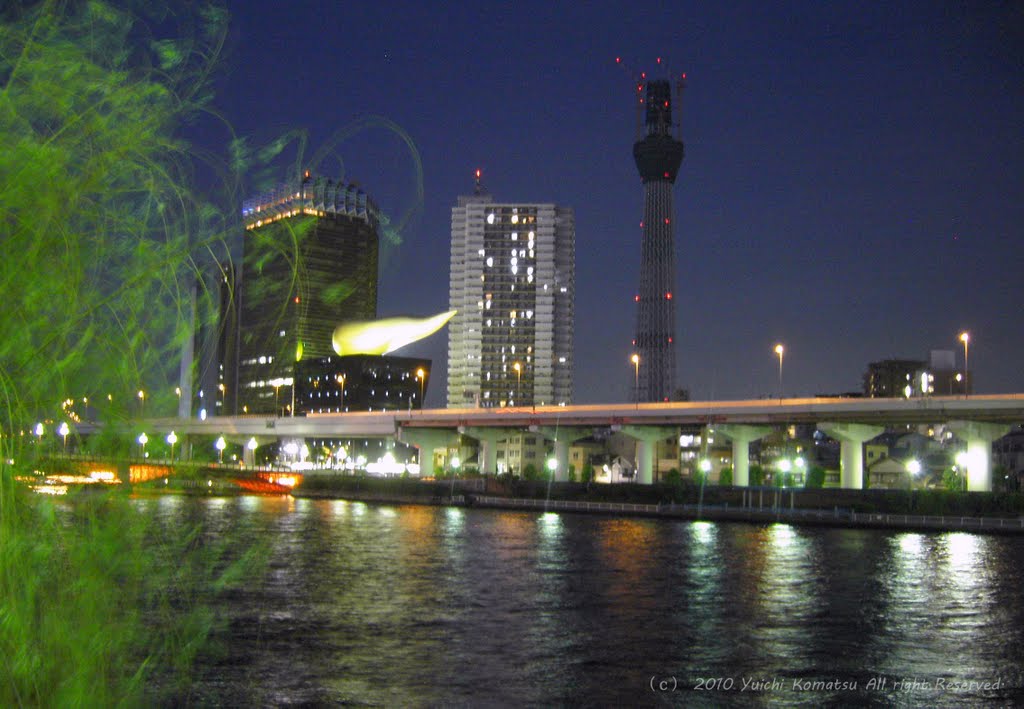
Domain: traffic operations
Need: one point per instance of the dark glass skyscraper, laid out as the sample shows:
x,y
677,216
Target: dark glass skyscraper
x,y
658,155
309,264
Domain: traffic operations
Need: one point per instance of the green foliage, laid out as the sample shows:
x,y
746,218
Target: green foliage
x,y
97,601
815,477
530,472
952,480
588,472
101,240
725,476
756,475
572,474
673,477
98,225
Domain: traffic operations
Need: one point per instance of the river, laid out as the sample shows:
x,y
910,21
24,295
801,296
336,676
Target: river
x,y
412,606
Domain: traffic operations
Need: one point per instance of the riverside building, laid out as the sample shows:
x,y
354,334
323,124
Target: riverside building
x,y
513,285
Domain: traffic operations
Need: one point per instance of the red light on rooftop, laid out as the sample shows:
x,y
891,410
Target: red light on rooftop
x,y
668,296
670,340
296,299
666,174
618,60
659,60
666,220
478,173
643,75
636,298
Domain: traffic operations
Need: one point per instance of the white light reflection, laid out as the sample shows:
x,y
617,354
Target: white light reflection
x,y
454,518
550,525
965,562
339,507
703,533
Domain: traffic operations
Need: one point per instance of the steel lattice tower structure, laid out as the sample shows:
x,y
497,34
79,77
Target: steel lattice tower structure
x,y
658,155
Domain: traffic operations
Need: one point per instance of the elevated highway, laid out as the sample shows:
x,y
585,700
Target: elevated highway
x,y
979,419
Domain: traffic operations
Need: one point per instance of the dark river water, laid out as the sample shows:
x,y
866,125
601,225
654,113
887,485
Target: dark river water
x,y
423,606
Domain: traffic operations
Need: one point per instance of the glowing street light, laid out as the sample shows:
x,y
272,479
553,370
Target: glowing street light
x,y
965,338
705,468
552,464
635,359
422,376
913,470
456,463
963,461
779,349
276,383
64,430
172,438
220,445
519,377
143,440
142,402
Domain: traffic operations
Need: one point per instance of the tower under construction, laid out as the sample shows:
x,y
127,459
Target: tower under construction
x,y
658,154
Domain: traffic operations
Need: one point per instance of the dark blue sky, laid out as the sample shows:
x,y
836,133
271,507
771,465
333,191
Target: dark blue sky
x,y
853,184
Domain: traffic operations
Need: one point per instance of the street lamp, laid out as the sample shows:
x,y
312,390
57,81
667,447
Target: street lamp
x,y
64,431
913,468
779,349
705,468
519,377
340,378
220,445
422,376
276,383
142,402
455,471
965,338
172,438
635,359
143,440
963,460
552,467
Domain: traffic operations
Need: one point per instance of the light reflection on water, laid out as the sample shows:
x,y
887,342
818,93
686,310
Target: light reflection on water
x,y
429,605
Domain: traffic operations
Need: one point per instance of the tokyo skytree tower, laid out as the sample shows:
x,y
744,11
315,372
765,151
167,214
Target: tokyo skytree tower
x,y
658,154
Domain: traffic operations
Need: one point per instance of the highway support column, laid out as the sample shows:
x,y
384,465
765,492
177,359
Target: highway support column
x,y
426,440
647,438
979,436
741,436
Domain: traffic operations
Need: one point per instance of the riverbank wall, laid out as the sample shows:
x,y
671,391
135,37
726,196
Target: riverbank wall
x,y
752,508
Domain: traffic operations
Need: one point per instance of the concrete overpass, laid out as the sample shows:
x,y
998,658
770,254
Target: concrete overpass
x,y
978,419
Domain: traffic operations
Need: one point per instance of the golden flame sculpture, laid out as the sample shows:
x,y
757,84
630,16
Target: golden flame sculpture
x,y
380,337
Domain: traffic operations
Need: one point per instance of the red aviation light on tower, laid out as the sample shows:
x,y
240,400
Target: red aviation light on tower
x,y
478,173
618,60
659,60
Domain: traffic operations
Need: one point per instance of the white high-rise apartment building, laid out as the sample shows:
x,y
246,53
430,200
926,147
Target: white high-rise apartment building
x,y
513,285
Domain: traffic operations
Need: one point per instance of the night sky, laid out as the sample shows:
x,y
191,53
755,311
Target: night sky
x,y
853,185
